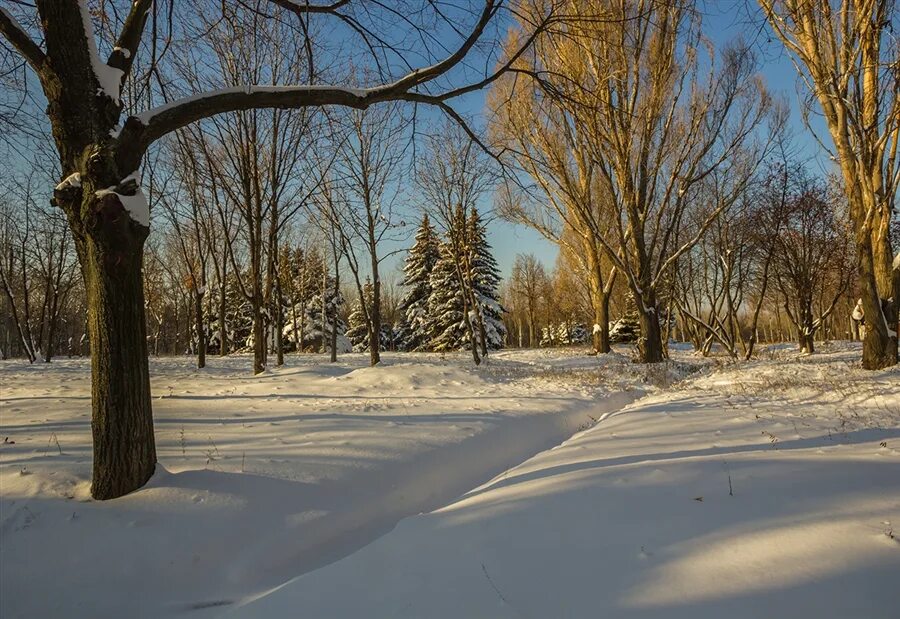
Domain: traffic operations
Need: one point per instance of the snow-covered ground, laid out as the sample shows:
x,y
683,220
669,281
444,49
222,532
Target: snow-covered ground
x,y
765,489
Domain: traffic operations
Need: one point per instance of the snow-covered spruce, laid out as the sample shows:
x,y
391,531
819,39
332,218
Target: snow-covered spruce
x,y
446,318
486,282
413,331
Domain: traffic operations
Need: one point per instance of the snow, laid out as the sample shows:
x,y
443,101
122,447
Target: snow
x,y
109,78
136,206
633,518
536,485
72,180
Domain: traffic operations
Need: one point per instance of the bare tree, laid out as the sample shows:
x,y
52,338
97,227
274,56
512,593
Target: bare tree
x,y
527,284
847,58
659,118
564,201
811,259
367,176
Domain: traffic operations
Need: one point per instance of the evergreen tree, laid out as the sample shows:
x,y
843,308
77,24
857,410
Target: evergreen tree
x,y
486,282
301,279
569,332
357,325
238,318
445,320
625,329
420,262
309,318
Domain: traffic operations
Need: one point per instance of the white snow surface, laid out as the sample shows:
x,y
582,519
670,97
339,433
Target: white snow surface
x,y
296,493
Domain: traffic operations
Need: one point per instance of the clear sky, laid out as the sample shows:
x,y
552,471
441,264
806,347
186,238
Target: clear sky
x,y
724,20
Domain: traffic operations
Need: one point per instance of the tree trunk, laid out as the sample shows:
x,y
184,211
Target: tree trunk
x,y
223,331
375,322
279,329
336,291
201,332
879,345
807,340
599,299
650,345
600,335
53,322
122,420
260,347
482,333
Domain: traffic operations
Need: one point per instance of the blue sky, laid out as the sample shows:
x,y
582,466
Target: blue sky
x,y
724,20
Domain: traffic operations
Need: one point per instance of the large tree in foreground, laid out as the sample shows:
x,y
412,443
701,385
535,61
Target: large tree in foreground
x,y
101,149
848,58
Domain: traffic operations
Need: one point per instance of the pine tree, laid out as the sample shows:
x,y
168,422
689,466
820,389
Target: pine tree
x,y
486,282
309,319
300,279
445,319
420,262
627,328
357,325
238,319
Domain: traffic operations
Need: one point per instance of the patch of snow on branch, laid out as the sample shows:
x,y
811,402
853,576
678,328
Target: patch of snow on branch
x,y
72,180
109,78
136,206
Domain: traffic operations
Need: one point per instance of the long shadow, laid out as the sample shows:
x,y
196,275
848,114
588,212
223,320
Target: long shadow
x,y
49,427
361,397
849,438
44,397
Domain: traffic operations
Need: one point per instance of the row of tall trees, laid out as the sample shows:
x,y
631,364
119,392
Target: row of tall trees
x,y
632,136
776,266
636,147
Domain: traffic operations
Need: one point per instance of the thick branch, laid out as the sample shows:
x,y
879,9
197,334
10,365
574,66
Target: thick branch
x,y
123,53
142,130
19,39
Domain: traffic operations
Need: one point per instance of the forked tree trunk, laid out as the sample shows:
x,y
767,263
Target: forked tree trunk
x,y
122,421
